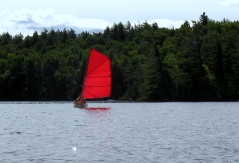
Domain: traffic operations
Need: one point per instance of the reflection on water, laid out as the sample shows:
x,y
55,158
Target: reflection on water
x,y
97,109
119,132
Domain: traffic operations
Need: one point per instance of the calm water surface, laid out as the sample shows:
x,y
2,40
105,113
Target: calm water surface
x,y
119,132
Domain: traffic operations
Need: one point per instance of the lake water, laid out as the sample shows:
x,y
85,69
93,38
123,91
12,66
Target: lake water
x,y
55,132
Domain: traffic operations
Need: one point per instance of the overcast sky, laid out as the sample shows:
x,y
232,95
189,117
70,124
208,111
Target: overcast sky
x,y
27,16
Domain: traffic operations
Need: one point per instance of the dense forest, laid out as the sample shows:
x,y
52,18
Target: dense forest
x,y
197,62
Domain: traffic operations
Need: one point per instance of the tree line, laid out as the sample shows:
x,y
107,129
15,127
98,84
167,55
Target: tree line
x,y
197,62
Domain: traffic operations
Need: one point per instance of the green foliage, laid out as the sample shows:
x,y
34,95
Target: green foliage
x,y
197,62
204,19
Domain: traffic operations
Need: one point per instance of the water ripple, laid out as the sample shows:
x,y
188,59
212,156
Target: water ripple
x,y
119,132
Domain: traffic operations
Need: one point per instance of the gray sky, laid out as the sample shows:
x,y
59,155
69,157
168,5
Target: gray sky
x,y
27,16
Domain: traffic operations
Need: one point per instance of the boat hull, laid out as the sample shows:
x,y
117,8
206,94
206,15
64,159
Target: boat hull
x,y
80,105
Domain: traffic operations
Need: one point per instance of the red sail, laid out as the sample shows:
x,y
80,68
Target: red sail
x,y
97,83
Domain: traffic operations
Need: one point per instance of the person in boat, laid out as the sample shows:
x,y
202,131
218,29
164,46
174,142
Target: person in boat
x,y
80,100
83,101
77,100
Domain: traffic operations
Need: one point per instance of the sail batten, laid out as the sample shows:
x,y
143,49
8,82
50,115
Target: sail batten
x,y
97,83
